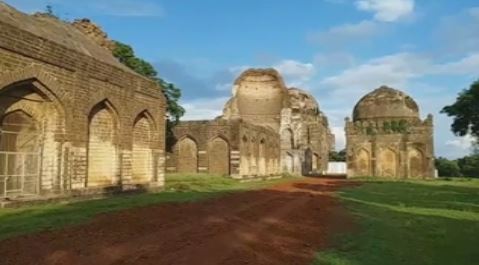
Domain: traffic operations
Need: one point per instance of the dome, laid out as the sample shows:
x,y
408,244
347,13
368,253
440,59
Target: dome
x,y
385,102
300,99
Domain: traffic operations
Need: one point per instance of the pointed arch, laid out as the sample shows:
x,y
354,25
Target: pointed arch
x,y
142,153
103,126
287,139
415,163
244,156
219,156
387,163
187,155
262,157
363,163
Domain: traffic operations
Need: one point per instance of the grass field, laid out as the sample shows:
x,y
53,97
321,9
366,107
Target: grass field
x,y
423,222
178,188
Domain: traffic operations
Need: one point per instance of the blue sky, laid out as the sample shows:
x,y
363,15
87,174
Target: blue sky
x,y
336,49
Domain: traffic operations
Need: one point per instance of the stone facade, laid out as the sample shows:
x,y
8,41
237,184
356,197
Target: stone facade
x,y
280,130
222,147
73,118
387,138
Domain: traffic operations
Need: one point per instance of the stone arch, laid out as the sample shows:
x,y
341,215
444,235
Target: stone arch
x,y
253,156
24,102
288,163
142,153
415,163
308,161
387,163
103,124
287,139
244,159
262,157
219,156
316,162
363,163
187,155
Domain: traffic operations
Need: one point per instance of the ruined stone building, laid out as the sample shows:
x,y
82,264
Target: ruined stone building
x,y
387,138
266,129
72,118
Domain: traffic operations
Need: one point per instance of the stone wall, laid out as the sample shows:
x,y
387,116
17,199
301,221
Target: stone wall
x,y
220,147
86,107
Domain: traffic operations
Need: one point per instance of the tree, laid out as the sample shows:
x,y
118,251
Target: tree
x,y
125,54
337,156
465,112
447,168
469,165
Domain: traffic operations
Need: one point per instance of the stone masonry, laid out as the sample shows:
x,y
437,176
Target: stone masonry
x,y
73,119
387,138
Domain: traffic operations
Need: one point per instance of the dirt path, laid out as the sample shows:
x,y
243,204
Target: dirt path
x,y
282,225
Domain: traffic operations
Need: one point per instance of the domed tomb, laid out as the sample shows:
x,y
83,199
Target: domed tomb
x,y
386,102
259,95
302,100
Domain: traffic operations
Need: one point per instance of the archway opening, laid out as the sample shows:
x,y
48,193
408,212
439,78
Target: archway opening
x,y
218,157
142,161
102,153
187,160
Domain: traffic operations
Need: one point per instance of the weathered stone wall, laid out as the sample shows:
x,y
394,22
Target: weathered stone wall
x,y
217,147
387,143
305,133
85,102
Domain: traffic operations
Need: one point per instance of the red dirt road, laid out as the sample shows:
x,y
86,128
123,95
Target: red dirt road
x,y
285,224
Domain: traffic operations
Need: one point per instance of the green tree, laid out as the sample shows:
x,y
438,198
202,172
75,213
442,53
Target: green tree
x,y
125,54
469,165
447,168
337,156
465,112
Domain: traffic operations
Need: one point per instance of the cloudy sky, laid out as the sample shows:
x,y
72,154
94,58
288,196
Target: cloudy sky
x,y
337,49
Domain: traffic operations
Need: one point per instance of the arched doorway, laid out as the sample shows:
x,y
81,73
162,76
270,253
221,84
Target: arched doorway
x,y
363,163
31,118
142,162
387,163
102,154
218,157
416,163
288,163
244,157
287,139
262,158
187,160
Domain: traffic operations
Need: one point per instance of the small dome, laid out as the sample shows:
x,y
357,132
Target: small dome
x,y
385,102
300,99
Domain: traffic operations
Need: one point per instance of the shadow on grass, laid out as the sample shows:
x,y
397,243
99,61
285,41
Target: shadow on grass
x,y
409,223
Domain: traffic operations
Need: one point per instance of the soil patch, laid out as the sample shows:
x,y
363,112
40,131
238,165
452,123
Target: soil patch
x,y
285,224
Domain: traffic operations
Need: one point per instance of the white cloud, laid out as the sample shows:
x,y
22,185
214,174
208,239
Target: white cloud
x,y
344,34
393,70
462,143
334,59
340,137
296,73
466,65
387,10
203,108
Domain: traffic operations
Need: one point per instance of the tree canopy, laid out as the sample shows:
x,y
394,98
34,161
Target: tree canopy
x,y
465,112
337,156
125,54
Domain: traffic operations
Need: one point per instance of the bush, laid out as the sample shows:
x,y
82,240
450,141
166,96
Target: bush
x,y
447,168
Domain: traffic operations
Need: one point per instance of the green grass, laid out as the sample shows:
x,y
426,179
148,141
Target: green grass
x,y
410,222
178,188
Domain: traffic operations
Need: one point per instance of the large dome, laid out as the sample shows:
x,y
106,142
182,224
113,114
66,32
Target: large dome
x,y
385,102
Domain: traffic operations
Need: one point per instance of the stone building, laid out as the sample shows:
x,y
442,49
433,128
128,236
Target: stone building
x,y
387,138
72,118
268,128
